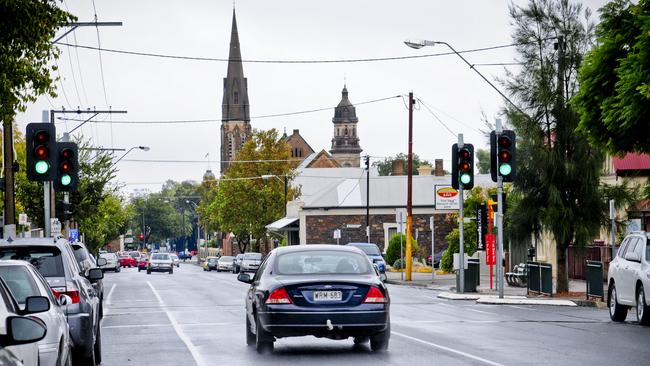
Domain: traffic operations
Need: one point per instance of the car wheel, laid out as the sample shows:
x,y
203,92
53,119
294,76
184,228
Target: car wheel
x,y
379,342
642,310
250,336
139,269
82,359
263,339
171,270
617,312
117,269
361,340
97,347
148,271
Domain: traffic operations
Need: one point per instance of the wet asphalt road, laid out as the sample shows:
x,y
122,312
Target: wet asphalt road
x,y
197,318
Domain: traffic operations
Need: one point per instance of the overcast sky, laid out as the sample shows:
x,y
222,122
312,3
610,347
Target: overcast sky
x,y
157,89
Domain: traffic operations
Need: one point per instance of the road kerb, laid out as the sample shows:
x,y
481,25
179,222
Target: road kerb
x,y
524,301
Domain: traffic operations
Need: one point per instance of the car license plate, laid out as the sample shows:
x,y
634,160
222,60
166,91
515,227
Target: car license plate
x,y
327,295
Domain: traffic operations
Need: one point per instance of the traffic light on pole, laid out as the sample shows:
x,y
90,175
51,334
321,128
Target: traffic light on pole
x,y
41,154
502,155
462,175
67,172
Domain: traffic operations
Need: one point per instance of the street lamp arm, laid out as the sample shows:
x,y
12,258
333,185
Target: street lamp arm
x,y
144,148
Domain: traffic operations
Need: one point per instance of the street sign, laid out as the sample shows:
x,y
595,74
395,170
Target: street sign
x,y
55,226
446,198
481,225
400,216
337,234
490,249
22,219
128,240
73,235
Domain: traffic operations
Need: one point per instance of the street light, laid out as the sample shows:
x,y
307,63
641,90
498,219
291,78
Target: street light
x,y
143,148
286,188
419,43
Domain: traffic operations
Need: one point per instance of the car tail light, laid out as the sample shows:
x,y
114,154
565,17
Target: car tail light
x,y
279,296
375,296
70,290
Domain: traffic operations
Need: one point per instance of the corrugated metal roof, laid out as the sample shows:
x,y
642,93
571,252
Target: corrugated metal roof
x,y
631,161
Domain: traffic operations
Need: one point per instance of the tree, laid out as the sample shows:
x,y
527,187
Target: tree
x,y
558,170
385,166
470,232
614,97
394,250
242,202
483,157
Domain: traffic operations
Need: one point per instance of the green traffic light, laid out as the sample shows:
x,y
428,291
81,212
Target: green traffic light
x,y
505,169
41,167
66,179
465,178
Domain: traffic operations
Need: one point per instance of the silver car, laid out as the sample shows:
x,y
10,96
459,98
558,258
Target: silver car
x,y
112,262
224,263
251,262
24,281
629,279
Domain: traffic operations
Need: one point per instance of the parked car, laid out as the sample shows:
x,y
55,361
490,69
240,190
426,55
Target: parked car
x,y
628,279
331,291
86,263
236,263
160,262
251,262
142,257
436,260
143,264
210,263
175,259
56,261
184,256
224,263
127,261
24,281
373,252
112,262
19,333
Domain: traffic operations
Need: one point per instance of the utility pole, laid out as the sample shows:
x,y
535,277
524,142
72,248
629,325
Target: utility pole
x,y
368,197
8,161
409,200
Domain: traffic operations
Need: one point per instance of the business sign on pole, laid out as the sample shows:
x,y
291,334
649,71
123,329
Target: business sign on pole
x,y
22,219
73,235
490,249
481,225
446,198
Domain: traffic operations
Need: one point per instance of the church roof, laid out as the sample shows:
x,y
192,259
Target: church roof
x,y
235,105
345,111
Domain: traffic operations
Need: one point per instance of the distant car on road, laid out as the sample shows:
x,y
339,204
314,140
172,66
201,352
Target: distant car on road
x,y
210,263
127,261
112,262
224,263
143,264
327,291
629,279
160,262
251,262
372,251
236,263
175,260
184,256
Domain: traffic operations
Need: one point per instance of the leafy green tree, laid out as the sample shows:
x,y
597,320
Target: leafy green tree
x,y
393,252
160,219
470,237
483,157
242,202
614,97
558,170
385,167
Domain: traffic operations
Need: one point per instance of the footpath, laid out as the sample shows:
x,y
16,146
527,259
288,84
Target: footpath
x,y
445,285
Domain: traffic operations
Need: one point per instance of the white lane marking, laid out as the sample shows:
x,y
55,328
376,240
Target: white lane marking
x,y
519,307
480,311
445,321
190,346
450,350
164,325
110,294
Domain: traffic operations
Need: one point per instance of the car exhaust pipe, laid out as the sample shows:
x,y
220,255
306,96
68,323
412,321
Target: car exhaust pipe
x,y
329,325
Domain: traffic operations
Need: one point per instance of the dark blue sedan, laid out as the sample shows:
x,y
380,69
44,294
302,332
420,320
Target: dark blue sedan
x,y
321,290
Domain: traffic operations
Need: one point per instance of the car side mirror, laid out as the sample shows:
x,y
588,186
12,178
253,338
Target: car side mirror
x,y
36,304
632,256
65,300
22,330
95,274
101,262
245,278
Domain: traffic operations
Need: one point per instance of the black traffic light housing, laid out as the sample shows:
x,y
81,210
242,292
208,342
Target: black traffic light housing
x,y
63,211
503,160
41,152
462,166
67,169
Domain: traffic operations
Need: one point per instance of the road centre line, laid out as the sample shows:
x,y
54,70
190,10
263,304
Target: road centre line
x,y
190,346
447,349
110,294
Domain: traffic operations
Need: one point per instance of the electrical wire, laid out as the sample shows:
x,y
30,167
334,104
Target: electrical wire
x,y
65,95
212,59
436,117
101,66
448,115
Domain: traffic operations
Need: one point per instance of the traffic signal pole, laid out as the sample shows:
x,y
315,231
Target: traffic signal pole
x,y
499,217
461,230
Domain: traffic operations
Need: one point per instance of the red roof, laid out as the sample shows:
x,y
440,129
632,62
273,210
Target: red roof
x,y
631,161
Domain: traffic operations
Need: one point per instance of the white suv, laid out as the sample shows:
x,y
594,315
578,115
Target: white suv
x,y
629,278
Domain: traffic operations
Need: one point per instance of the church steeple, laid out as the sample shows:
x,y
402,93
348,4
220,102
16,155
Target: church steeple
x,y
345,143
235,114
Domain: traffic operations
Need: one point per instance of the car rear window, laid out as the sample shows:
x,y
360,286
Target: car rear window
x,y
226,259
253,256
20,282
160,256
323,262
47,260
368,249
80,253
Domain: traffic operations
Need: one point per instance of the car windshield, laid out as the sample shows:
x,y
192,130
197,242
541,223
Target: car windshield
x,y
160,256
253,256
212,259
107,255
323,262
368,249
20,282
46,259
226,259
134,254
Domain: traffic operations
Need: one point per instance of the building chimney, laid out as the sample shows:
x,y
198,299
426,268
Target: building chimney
x,y
295,132
425,169
439,172
398,167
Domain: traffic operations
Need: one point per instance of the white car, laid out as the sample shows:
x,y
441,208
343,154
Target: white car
x,y
629,279
14,350
160,262
224,263
24,281
175,259
251,262
112,262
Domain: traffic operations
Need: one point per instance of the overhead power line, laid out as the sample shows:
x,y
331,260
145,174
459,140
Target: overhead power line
x,y
213,59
